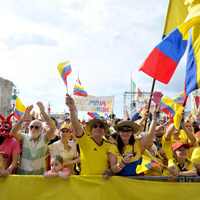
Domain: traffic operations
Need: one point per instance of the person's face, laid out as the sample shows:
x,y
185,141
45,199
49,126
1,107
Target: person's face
x,y
56,166
181,152
112,140
35,129
125,133
67,121
188,125
97,129
65,134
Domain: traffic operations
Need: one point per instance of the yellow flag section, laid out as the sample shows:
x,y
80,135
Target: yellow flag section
x,y
169,106
176,14
93,188
146,164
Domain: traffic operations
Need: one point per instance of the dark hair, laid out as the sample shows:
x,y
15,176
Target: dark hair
x,y
55,121
120,144
59,158
114,135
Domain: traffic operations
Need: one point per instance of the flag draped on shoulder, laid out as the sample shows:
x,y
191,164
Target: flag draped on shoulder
x,y
19,109
146,164
94,114
164,58
64,69
171,107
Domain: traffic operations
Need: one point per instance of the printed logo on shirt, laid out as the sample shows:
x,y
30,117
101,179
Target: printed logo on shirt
x,y
95,149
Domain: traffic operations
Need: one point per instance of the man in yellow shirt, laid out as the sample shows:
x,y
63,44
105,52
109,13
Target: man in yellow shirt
x,y
93,148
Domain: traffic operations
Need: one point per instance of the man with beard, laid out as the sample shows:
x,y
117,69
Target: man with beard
x,y
34,144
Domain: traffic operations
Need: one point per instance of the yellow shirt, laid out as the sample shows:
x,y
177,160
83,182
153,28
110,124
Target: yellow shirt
x,y
167,146
130,168
195,158
94,158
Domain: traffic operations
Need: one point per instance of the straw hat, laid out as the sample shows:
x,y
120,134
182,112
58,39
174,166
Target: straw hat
x,y
126,123
96,120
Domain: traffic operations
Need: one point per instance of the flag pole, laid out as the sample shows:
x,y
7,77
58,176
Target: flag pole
x,y
152,89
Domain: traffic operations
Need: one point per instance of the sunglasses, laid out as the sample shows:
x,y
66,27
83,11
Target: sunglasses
x,y
100,126
126,130
36,127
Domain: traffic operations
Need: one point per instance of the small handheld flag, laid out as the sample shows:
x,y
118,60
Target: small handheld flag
x,y
19,109
78,90
64,70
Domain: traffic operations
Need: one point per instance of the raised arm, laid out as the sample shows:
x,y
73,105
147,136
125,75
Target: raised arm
x,y
50,122
15,130
148,137
190,136
169,131
69,101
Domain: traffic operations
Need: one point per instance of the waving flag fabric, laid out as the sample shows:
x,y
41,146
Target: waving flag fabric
x,y
146,164
176,15
64,70
163,60
192,80
94,114
170,107
79,91
19,109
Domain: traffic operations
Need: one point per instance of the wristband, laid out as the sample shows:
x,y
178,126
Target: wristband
x,y
71,109
10,171
154,118
119,166
123,162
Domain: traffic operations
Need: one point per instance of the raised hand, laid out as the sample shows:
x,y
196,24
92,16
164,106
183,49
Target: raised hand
x,y
156,97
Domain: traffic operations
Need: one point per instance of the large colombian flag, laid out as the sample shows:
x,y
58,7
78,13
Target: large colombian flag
x,y
19,109
79,91
163,60
64,70
192,79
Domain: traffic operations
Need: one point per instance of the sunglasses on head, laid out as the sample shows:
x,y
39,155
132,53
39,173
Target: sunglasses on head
x,y
100,126
36,127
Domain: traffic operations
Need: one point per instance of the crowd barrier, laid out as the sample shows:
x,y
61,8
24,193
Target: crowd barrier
x,y
92,187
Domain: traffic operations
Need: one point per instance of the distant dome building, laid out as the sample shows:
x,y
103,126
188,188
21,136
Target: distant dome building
x,y
5,97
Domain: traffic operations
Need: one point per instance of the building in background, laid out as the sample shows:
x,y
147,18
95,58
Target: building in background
x,y
5,97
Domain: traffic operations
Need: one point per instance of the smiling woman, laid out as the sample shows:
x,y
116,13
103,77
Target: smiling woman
x,y
126,154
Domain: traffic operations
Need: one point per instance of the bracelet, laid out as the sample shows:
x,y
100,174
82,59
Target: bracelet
x,y
123,162
71,109
119,166
10,171
154,118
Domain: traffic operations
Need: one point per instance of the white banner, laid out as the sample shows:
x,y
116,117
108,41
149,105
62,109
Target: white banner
x,y
101,104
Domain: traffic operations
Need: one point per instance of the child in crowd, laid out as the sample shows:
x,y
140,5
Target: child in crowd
x,y
180,164
57,169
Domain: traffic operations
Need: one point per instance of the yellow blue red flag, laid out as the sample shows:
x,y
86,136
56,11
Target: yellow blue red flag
x,y
19,109
79,91
170,106
146,164
94,114
64,69
164,58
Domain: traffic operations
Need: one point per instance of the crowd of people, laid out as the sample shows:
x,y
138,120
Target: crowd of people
x,y
42,145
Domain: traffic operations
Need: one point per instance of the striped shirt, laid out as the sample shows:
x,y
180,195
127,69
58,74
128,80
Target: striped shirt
x,y
32,160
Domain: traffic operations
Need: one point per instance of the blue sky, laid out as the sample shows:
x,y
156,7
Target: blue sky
x,y
106,41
